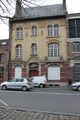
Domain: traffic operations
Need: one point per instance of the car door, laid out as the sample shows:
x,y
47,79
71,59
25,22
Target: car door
x,y
19,82
11,84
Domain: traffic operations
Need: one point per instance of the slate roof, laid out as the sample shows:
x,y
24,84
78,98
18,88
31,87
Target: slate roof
x,y
41,12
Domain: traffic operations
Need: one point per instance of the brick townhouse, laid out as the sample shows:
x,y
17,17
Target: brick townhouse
x,y
74,46
4,58
38,42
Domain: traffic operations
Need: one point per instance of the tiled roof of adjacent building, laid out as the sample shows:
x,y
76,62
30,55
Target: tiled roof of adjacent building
x,y
4,42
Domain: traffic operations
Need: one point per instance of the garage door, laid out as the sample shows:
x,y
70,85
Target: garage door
x,y
18,72
53,73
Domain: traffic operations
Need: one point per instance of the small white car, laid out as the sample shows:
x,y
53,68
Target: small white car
x,y
17,83
75,86
39,81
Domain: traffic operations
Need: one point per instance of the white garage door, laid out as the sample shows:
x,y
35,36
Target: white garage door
x,y
18,72
53,73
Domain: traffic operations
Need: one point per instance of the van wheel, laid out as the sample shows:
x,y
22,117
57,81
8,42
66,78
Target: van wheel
x,y
41,85
78,88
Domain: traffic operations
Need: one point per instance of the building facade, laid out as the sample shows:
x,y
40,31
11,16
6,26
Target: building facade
x,y
74,46
4,59
38,43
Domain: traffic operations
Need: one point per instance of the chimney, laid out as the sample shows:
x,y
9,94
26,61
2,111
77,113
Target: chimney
x,y
18,7
64,5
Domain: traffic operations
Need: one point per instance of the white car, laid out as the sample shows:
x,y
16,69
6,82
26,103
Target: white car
x,y
75,86
17,83
39,81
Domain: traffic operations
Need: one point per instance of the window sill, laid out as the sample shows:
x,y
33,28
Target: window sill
x,y
53,36
19,39
76,52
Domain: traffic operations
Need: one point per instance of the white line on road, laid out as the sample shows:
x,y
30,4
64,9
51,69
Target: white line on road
x,y
4,103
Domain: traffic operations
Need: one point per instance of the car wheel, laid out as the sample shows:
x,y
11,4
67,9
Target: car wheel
x,y
24,88
78,88
41,85
4,87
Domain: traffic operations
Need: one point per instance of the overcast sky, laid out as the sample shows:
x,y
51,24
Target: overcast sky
x,y
73,6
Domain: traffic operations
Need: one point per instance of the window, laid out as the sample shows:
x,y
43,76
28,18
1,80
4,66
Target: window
x,y
19,33
49,30
53,50
76,46
34,30
53,30
74,28
19,51
33,49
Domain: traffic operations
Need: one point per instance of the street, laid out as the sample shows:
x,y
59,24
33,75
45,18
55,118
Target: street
x,y
57,100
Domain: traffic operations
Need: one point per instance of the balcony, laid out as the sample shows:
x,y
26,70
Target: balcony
x,y
53,59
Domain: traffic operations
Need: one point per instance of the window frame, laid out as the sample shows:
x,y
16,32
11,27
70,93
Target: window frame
x,y
19,33
53,30
33,48
76,47
18,51
74,28
34,31
53,50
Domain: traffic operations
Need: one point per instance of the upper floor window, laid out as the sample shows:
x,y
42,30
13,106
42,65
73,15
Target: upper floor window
x,y
34,30
53,30
76,46
53,50
18,51
33,49
74,28
19,33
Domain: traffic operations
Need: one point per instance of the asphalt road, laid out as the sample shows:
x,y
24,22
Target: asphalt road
x,y
58,100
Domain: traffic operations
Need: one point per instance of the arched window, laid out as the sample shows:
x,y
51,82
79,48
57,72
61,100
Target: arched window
x,y
18,51
34,30
19,33
53,50
33,49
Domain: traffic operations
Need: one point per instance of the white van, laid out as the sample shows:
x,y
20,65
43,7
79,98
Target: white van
x,y
39,81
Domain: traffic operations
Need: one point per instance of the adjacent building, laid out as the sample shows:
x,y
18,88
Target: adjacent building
x,y
4,59
74,46
38,42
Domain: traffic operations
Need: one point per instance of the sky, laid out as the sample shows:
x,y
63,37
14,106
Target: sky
x,y
73,6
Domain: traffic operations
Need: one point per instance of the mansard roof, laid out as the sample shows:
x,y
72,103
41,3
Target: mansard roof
x,y
48,11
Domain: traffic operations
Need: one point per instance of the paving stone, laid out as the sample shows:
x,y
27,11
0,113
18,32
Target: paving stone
x,y
14,114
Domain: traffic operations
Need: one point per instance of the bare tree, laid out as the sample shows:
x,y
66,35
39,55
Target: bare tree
x,y
7,7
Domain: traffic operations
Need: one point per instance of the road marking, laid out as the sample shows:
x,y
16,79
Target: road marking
x,y
4,103
73,94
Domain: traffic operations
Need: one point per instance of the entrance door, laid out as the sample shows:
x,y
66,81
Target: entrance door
x,y
76,72
33,73
18,72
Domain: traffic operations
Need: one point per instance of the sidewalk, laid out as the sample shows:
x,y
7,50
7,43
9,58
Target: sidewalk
x,y
18,114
